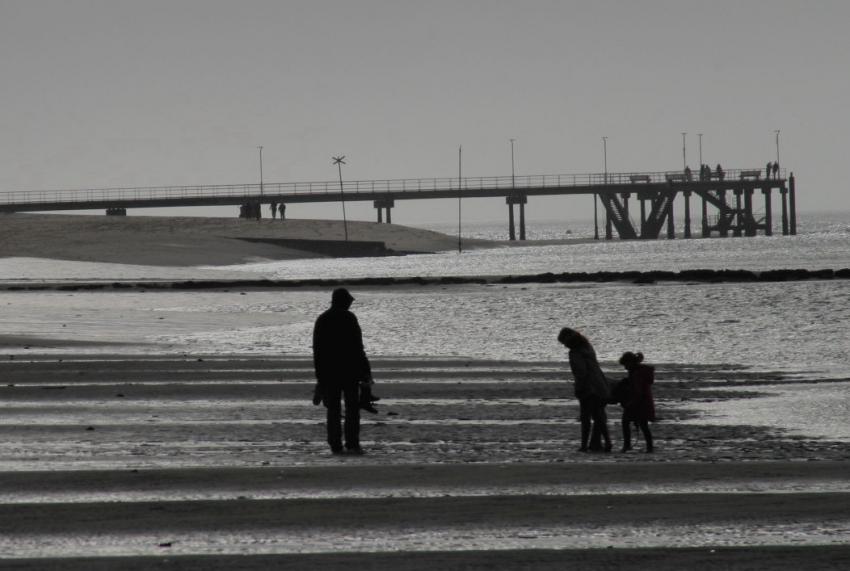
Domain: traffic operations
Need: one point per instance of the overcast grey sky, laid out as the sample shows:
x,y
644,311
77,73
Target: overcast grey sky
x,y
134,93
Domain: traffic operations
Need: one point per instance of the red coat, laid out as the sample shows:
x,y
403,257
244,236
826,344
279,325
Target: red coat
x,y
640,405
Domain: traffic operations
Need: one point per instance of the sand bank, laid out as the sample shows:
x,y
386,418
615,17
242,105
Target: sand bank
x,y
193,241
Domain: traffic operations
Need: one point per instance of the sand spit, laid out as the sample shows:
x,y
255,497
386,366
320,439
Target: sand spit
x,y
194,241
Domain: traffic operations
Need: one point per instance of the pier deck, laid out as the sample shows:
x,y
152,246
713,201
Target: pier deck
x,y
727,200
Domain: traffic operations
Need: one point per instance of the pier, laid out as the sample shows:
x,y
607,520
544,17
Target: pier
x,y
635,205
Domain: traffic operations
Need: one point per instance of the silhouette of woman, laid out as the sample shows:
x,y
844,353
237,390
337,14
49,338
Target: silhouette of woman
x,y
591,387
638,404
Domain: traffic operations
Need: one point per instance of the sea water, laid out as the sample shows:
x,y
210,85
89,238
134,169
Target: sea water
x,y
785,326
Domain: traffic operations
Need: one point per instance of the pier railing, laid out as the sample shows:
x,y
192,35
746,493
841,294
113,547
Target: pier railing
x,y
269,191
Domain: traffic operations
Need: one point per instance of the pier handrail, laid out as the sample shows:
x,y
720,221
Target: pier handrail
x,y
270,191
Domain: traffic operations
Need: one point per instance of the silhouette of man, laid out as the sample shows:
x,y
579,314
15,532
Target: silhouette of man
x,y
341,365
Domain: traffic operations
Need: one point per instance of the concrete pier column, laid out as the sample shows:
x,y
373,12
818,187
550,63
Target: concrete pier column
x,y
671,227
522,220
768,215
783,192
380,205
724,230
609,231
687,195
642,216
705,230
792,204
749,218
736,231
520,199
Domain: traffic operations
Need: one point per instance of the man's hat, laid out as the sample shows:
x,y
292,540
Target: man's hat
x,y
341,296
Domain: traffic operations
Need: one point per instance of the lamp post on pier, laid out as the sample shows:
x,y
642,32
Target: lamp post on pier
x,y
777,145
700,150
513,176
459,195
338,161
605,181
684,152
261,169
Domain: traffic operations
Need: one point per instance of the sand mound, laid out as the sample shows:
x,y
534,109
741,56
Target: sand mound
x,y
190,241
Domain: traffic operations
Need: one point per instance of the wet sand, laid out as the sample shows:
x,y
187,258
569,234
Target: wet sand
x,y
200,462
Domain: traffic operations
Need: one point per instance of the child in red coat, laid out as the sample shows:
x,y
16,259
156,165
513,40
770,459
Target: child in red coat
x,y
638,404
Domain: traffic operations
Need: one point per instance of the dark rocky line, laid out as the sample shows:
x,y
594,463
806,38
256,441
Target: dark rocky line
x,y
635,277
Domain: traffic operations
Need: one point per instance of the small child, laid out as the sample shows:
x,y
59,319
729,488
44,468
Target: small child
x,y
638,404
366,400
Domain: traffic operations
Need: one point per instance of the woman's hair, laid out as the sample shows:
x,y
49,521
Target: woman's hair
x,y
629,357
572,338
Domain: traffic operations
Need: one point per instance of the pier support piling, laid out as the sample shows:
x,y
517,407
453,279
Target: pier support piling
x,y
521,200
792,204
384,203
768,216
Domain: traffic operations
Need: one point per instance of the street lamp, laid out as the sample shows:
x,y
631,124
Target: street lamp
x,y
700,150
684,153
261,170
460,195
513,176
605,181
605,157
338,161
777,145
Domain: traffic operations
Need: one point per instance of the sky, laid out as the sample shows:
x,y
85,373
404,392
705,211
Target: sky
x,y
118,93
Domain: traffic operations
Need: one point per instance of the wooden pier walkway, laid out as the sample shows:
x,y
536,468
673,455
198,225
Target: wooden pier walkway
x,y
727,200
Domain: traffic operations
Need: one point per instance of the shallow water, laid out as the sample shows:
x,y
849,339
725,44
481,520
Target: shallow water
x,y
793,327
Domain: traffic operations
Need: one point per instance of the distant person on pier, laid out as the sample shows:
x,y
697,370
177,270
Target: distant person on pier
x,y
635,394
776,170
273,208
590,388
282,209
343,372
768,169
719,172
688,175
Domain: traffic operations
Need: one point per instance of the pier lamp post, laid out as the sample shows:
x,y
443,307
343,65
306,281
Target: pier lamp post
x,y
605,181
605,157
777,145
513,176
261,169
684,152
700,150
459,195
338,161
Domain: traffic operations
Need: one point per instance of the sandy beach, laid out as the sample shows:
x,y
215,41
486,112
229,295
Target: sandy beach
x,y
203,462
